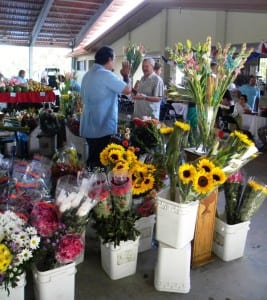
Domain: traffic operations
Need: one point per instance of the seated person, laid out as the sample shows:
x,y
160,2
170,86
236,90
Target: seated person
x,y
242,107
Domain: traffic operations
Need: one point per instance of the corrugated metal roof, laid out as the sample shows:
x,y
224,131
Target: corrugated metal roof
x,y
45,22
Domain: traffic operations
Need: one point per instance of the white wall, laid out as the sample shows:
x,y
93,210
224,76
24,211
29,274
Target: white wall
x,y
175,25
246,27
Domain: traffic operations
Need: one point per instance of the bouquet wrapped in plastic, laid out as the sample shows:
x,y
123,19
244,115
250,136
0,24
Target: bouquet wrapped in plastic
x,y
74,203
99,190
242,198
121,189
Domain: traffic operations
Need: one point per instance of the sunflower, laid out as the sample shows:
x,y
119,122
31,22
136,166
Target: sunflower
x,y
203,182
104,157
147,183
150,168
186,173
139,170
130,157
114,146
206,165
115,155
182,125
218,175
137,189
121,165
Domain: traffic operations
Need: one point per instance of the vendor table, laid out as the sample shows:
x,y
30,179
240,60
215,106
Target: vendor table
x,y
252,123
28,97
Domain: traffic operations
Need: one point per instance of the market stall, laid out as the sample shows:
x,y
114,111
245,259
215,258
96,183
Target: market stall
x,y
27,97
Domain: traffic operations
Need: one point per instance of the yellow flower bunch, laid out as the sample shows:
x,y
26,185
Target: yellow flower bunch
x,y
173,141
5,258
142,178
234,152
195,181
257,186
117,158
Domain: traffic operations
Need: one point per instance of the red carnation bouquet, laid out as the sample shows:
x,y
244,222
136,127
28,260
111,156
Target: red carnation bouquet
x,y
57,246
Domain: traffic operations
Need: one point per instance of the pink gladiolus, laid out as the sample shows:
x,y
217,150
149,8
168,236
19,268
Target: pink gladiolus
x,y
236,177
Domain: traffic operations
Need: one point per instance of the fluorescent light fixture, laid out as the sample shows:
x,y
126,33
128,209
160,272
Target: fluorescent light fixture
x,y
111,15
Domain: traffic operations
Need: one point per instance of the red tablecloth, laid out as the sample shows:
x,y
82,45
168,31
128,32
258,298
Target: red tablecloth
x,y
28,97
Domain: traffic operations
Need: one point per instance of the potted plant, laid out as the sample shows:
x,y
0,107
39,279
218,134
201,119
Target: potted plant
x,y
243,198
114,222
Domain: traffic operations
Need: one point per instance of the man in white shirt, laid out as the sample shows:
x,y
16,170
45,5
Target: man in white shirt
x,y
149,93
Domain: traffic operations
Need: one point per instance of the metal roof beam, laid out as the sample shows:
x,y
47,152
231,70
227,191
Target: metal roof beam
x,y
40,21
91,21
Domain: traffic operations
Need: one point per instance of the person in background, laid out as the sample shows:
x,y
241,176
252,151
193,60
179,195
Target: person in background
x,y
252,92
75,86
21,77
242,106
99,93
157,68
149,93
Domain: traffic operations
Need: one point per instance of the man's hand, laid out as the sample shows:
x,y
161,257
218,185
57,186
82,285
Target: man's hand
x,y
139,97
125,70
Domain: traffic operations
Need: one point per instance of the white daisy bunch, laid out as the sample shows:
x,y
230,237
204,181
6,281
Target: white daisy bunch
x,y
18,242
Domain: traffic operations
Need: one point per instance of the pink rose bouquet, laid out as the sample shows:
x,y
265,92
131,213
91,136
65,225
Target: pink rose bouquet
x,y
69,248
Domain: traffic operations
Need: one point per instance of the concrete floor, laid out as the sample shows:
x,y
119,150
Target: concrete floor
x,y
241,279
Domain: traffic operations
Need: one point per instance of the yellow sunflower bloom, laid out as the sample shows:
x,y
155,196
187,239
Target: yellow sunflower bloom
x,y
147,183
206,165
115,155
136,187
104,157
186,173
203,182
114,146
182,125
150,168
218,175
130,157
121,165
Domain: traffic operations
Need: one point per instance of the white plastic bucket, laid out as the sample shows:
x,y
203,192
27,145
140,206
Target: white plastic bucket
x,y
145,226
119,261
58,283
176,222
172,271
16,293
230,240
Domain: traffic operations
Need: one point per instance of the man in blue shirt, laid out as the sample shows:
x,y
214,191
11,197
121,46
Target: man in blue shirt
x,y
252,92
99,92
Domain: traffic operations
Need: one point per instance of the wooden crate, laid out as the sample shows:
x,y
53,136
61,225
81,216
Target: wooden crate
x,y
204,231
